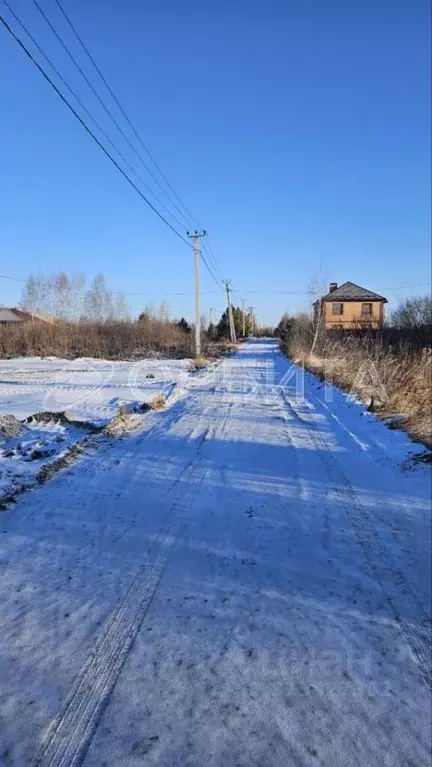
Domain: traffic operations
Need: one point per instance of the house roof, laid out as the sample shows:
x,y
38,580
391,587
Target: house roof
x,y
12,314
349,291
9,315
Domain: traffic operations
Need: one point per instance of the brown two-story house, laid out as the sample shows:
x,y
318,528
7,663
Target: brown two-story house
x,y
350,306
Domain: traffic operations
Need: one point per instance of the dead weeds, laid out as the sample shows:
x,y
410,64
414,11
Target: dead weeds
x,y
401,391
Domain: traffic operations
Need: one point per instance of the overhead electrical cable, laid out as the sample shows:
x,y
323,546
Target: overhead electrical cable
x,y
101,101
103,104
234,290
113,96
211,258
212,255
89,131
210,271
93,119
135,132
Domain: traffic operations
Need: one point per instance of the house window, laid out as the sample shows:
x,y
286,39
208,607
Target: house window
x,y
337,308
366,309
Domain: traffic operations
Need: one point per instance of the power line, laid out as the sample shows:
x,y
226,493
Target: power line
x,y
233,290
89,131
205,262
206,248
309,292
7,277
212,259
123,112
152,293
98,125
101,101
128,293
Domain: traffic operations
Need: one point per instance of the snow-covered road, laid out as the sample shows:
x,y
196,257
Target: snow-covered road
x,y
244,581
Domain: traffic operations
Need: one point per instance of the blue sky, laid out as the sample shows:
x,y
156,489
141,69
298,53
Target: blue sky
x,y
297,133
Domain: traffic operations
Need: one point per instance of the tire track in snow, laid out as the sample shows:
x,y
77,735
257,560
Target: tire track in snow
x,y
407,609
69,736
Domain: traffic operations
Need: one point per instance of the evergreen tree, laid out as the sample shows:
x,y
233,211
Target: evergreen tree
x,y
211,332
286,324
147,313
238,321
183,325
223,328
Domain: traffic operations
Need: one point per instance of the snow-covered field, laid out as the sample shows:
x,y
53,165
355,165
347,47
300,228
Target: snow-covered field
x,y
89,391
243,581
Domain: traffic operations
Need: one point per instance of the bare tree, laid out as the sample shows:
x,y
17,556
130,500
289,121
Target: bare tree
x,y
45,288
61,289
77,287
30,295
415,312
317,289
98,303
63,296
164,312
122,310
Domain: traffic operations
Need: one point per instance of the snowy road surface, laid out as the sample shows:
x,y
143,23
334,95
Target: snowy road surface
x,y
244,581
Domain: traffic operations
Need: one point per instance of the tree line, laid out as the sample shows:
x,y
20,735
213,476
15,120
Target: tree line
x,y
67,298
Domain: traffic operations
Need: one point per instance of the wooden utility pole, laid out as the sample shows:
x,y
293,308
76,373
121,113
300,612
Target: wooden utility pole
x,y
244,316
195,236
230,313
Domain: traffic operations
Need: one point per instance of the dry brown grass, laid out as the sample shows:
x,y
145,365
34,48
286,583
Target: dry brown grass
x,y
112,340
108,340
158,402
197,364
405,375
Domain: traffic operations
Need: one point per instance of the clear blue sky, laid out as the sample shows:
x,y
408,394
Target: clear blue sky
x,y
296,132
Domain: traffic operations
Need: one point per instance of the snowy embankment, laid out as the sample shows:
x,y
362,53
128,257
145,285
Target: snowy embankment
x,y
87,394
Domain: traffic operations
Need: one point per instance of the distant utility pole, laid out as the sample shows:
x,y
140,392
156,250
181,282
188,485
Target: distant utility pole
x,y
210,315
230,313
250,309
244,317
195,237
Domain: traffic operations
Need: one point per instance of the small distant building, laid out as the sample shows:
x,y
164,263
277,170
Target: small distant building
x,y
13,315
350,306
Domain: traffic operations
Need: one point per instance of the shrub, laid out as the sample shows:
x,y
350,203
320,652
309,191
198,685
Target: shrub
x,y
401,357
113,340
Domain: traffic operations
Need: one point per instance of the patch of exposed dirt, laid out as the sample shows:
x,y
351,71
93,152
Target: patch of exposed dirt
x,y
126,421
61,417
66,459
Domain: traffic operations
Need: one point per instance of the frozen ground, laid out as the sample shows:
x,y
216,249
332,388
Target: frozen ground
x,y
38,443
90,391
243,581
